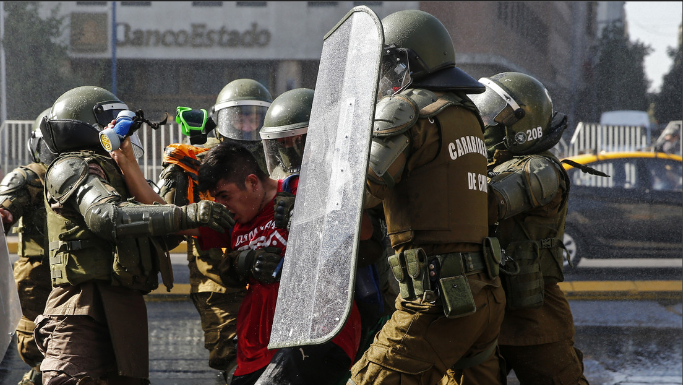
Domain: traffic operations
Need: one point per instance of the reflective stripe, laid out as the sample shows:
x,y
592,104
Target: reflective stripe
x,y
501,92
221,106
114,106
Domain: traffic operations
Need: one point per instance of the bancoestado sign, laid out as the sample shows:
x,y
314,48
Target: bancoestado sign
x,y
199,35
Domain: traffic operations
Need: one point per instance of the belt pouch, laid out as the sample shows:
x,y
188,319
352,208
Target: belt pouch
x,y
418,270
456,294
525,289
492,255
397,263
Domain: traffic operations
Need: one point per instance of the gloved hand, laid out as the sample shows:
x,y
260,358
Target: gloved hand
x,y
206,213
284,204
260,264
266,263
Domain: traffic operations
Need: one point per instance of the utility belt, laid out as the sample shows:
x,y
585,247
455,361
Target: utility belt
x,y
525,271
130,262
444,275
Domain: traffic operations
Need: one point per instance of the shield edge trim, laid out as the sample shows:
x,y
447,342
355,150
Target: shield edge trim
x,y
352,282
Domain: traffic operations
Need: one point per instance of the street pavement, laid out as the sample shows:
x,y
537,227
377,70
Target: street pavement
x,y
624,342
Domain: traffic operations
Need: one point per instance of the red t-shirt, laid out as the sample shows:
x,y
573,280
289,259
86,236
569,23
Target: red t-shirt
x,y
255,315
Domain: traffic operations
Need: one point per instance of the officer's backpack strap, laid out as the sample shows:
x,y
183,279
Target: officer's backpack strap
x,y
64,176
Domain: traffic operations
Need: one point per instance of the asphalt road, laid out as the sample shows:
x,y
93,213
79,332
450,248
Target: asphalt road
x,y
624,343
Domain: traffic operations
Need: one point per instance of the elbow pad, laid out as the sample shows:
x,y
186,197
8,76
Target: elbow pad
x,y
113,222
532,185
387,159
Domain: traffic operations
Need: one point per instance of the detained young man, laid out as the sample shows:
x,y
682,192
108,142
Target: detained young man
x,y
232,176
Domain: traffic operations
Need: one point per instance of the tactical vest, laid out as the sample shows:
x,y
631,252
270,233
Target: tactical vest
x,y
533,240
31,227
78,255
445,200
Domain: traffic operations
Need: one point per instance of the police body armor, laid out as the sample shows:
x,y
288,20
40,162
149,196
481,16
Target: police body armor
x,y
415,207
79,255
411,206
31,224
535,240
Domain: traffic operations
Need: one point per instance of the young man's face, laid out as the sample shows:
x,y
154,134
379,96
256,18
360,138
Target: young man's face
x,y
245,203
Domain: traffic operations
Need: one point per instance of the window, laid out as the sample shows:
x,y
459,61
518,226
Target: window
x,y
368,3
136,3
252,3
99,3
207,3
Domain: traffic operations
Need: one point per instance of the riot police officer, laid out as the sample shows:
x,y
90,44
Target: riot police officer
x,y
428,167
528,193
239,112
21,194
105,249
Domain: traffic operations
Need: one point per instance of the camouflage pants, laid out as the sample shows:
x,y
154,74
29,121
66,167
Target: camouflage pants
x,y
419,344
218,313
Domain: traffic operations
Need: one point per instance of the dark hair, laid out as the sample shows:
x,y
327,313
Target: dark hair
x,y
228,161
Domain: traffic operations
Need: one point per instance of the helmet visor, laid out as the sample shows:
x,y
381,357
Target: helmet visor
x,y
496,105
241,122
108,111
395,72
285,153
490,105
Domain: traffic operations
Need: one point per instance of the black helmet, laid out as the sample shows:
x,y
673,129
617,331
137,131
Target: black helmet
x,y
419,41
284,130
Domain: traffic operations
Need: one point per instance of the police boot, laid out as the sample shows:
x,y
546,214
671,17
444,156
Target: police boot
x,y
32,377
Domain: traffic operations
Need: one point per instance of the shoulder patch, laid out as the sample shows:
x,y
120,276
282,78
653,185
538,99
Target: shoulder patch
x,y
394,115
64,176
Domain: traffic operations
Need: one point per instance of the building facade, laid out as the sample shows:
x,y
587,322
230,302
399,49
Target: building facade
x,y
183,53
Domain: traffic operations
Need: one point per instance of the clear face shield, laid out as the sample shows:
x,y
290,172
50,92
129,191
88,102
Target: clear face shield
x,y
241,120
285,150
496,106
395,72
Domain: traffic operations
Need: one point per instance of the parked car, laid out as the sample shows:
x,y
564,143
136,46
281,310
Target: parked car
x,y
635,213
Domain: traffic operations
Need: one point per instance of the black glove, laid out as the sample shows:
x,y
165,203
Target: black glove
x,y
260,264
266,262
206,213
284,204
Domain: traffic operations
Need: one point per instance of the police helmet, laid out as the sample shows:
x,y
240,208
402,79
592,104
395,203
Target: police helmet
x,y
517,112
284,130
77,117
419,42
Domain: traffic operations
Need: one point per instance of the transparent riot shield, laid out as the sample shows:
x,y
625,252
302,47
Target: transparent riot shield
x,y
316,288
9,297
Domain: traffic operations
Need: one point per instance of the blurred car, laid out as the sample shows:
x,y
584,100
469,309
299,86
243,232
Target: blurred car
x,y
635,213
